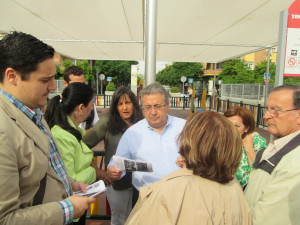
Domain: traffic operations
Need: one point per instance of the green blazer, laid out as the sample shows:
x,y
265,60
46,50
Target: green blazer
x,y
77,156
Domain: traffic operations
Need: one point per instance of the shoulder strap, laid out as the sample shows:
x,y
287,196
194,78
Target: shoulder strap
x,y
258,157
268,165
39,196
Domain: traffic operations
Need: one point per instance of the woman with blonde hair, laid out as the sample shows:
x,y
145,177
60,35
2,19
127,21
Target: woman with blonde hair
x,y
205,192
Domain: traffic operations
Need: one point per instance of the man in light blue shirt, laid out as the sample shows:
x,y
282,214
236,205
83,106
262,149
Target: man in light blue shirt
x,y
153,139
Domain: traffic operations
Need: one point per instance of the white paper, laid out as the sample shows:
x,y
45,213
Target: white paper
x,y
129,165
93,189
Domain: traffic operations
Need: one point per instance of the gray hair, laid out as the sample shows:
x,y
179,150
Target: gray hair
x,y
154,88
292,87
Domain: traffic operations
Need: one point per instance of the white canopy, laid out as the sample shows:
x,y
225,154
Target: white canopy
x,y
187,30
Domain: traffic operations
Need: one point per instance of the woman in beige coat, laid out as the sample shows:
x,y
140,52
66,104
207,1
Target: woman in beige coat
x,y
205,192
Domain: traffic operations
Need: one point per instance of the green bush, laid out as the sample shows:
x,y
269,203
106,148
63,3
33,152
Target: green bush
x,y
110,87
174,90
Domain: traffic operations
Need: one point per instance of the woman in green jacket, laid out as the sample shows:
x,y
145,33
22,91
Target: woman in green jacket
x,y
63,114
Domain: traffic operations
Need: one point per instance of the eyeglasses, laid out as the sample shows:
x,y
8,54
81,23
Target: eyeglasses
x,y
276,112
156,107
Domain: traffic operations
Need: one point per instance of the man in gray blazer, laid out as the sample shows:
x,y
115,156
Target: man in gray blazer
x,y
35,187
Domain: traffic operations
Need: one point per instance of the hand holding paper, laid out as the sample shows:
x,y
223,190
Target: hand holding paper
x,y
93,189
129,165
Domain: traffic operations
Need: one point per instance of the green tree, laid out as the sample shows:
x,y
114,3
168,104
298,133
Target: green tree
x,y
59,72
67,63
236,71
291,80
88,71
120,71
110,87
171,75
260,69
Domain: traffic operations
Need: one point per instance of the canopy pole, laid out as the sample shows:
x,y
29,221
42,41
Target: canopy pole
x,y
214,85
281,48
150,57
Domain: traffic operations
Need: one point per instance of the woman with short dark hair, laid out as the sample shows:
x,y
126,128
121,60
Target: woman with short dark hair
x,y
205,192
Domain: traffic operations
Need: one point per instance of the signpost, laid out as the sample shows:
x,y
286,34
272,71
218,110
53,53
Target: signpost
x,y
183,79
288,57
292,50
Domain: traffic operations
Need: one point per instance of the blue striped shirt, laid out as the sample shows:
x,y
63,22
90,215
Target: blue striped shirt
x,y
55,159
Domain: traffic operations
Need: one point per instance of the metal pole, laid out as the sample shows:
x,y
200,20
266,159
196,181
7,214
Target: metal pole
x,y
281,48
150,57
97,79
267,76
258,94
214,83
101,86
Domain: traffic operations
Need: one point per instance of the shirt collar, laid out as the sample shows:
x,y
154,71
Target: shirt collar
x,y
77,128
26,110
279,143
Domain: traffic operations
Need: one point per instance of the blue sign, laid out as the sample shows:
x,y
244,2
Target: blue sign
x,y
265,76
109,79
190,80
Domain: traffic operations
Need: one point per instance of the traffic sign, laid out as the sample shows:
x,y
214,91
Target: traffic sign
x,y
183,79
101,76
190,80
265,77
109,79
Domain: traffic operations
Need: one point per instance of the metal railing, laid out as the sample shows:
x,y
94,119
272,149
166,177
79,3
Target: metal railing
x,y
222,105
175,102
254,93
217,104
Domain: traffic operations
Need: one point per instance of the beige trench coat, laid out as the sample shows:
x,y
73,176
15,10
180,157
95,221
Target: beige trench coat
x,y
24,160
182,198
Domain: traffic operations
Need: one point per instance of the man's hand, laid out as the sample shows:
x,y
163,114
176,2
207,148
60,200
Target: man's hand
x,y
80,204
114,173
102,175
79,186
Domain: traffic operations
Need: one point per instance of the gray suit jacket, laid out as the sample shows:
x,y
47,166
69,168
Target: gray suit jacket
x,y
24,160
